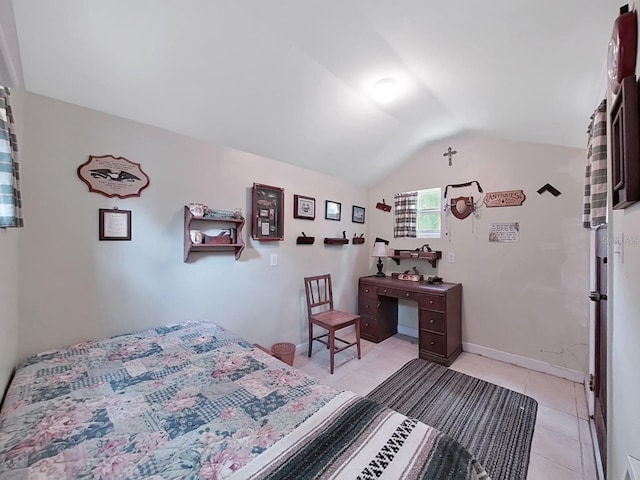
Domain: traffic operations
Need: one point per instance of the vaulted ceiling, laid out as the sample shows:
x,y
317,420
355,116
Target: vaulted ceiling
x,y
292,79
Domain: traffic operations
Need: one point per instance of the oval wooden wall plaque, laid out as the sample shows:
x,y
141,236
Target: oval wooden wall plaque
x,y
113,176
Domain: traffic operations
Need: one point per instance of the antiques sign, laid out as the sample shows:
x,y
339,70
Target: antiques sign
x,y
113,176
508,198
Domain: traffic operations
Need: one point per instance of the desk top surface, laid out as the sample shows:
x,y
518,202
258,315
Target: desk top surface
x,y
423,286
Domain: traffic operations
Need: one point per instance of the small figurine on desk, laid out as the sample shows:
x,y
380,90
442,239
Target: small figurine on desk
x,y
434,280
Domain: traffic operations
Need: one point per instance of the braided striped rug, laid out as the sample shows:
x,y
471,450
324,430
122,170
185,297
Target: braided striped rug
x,y
494,423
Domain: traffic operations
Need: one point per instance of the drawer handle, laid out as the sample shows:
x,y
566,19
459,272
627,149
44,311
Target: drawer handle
x,y
367,306
431,343
367,290
431,321
430,302
408,294
385,290
366,324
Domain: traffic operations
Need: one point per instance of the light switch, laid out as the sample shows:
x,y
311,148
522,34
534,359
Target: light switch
x,y
274,259
451,257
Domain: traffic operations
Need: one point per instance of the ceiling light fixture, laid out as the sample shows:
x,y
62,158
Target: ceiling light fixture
x,y
385,90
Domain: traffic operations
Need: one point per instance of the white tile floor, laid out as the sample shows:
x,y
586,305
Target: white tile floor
x,y
562,446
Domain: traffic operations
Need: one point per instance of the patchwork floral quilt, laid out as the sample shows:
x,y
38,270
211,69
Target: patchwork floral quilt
x,y
184,401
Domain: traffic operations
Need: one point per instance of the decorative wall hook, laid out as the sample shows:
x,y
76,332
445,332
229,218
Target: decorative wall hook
x,y
549,188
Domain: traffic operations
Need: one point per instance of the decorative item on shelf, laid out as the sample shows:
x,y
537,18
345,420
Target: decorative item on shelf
x,y
198,209
337,241
220,214
237,213
549,188
357,240
113,176
450,153
380,250
114,224
430,256
506,198
304,240
268,213
222,238
196,236
434,280
383,206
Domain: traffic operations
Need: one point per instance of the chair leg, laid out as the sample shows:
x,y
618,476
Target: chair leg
x,y
310,338
332,344
358,338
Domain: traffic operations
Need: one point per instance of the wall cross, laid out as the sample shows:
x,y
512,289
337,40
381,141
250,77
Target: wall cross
x,y
449,153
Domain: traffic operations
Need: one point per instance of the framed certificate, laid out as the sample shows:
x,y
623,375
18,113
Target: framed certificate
x,y
114,224
268,213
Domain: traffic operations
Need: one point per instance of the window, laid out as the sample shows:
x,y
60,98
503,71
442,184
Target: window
x,y
429,213
418,214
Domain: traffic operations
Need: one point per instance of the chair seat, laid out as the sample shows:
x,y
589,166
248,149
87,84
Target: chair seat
x,y
334,318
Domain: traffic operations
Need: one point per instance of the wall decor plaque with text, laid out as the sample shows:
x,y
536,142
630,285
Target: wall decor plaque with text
x,y
113,176
507,198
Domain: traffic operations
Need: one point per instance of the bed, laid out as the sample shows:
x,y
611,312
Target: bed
x,y
193,400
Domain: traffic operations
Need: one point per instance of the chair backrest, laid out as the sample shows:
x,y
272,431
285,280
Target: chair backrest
x,y
319,293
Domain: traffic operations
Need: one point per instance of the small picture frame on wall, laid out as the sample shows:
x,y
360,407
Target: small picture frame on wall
x,y
332,210
114,224
357,214
304,207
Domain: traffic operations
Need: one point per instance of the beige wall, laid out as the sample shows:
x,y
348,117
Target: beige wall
x,y
526,298
623,416
74,287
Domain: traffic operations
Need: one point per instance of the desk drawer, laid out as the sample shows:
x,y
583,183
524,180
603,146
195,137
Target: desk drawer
x,y
433,321
434,343
367,306
369,327
368,291
432,302
395,293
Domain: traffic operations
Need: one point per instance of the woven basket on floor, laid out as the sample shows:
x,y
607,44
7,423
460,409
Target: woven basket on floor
x,y
284,351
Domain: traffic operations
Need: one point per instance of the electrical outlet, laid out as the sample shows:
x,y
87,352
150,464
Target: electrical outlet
x,y
274,259
451,257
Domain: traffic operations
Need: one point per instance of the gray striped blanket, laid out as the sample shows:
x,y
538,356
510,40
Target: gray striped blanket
x,y
355,438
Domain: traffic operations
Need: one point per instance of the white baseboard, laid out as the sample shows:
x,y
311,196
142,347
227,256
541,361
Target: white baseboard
x,y
530,363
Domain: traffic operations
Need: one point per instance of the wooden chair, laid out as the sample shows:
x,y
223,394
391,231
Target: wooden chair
x,y
321,312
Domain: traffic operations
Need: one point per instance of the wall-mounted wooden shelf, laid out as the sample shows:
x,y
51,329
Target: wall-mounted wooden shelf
x,y
236,223
336,241
431,257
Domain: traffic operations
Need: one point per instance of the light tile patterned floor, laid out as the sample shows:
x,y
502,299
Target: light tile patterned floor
x,y
562,446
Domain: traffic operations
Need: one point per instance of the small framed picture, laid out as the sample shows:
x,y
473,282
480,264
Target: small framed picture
x,y
268,208
332,210
114,224
357,214
304,207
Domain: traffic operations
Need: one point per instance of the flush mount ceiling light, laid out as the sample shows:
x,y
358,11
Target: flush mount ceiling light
x,y
385,90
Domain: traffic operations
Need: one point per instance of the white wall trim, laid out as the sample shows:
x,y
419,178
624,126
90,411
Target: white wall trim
x,y
531,364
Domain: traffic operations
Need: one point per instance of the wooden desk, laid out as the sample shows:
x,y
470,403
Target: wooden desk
x,y
439,314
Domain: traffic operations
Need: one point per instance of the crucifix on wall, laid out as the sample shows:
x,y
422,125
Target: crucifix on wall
x,y
449,153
